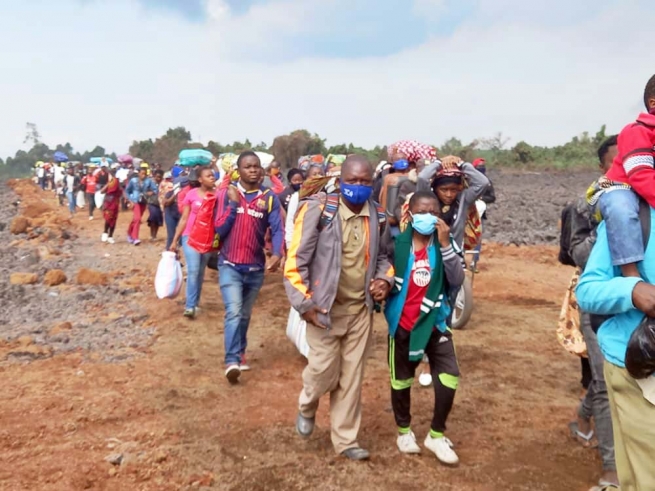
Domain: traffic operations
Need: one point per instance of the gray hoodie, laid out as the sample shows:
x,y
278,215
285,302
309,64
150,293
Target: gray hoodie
x,y
477,183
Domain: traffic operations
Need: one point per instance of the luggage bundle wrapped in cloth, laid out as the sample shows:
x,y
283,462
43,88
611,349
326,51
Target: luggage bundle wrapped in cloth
x,y
195,156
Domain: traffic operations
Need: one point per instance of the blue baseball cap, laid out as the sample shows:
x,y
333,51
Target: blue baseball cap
x,y
176,171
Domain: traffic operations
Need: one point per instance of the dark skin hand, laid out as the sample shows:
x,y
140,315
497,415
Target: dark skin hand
x,y
643,298
311,317
274,264
379,289
450,162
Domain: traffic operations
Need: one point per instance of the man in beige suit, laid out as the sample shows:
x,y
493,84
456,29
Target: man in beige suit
x,y
334,274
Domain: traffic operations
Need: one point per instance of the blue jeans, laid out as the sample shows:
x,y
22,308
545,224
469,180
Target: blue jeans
x,y
70,196
196,264
171,220
620,210
239,292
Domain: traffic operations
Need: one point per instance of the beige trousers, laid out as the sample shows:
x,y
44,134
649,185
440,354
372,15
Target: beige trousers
x,y
633,418
336,365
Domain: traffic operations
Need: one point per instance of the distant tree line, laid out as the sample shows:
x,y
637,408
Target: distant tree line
x,y
577,153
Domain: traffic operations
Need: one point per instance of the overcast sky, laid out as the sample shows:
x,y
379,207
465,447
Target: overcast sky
x,y
364,71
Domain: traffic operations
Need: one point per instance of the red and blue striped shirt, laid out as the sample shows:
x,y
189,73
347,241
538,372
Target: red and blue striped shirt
x,y
243,248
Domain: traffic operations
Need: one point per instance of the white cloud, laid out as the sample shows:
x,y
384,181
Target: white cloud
x,y
113,73
217,9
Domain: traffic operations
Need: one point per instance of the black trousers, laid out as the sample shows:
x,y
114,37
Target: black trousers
x,y
91,198
445,375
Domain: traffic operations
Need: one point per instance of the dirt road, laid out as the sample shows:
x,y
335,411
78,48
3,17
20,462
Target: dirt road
x,y
168,415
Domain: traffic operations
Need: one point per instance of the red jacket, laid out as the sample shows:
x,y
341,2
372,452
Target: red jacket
x,y
89,181
635,162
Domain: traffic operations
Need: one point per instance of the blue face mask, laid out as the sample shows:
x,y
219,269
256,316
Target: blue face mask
x,y
357,194
401,164
424,223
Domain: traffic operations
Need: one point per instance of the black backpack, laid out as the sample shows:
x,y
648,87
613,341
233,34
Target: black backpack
x,y
565,236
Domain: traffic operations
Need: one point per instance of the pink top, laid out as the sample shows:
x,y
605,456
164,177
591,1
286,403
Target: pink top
x,y
194,201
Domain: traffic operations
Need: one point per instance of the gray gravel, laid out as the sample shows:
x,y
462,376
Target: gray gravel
x,y
33,310
528,206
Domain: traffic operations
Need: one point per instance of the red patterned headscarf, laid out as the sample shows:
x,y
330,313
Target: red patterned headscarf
x,y
413,150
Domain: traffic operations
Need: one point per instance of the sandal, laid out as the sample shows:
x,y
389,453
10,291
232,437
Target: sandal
x,y
587,441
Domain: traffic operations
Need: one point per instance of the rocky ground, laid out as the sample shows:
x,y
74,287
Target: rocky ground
x,y
528,206
64,292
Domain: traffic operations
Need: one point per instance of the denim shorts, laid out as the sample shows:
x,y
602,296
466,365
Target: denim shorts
x,y
620,210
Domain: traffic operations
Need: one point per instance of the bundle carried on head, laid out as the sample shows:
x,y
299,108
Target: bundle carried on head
x,y
412,150
228,161
265,159
191,157
448,176
336,159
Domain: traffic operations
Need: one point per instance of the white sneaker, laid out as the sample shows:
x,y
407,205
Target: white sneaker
x,y
90,218
111,240
443,449
104,237
233,373
407,443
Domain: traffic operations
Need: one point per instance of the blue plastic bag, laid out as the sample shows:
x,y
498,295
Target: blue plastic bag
x,y
195,156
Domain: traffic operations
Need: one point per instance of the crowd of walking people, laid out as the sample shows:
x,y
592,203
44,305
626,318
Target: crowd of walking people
x,y
353,239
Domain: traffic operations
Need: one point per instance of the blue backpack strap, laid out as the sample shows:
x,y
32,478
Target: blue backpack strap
x,y
329,210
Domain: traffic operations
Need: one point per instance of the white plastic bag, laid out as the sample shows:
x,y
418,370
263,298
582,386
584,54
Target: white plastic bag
x,y
99,199
169,279
297,332
79,200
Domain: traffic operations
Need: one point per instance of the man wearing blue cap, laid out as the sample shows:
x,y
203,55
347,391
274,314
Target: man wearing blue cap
x,y
390,188
176,170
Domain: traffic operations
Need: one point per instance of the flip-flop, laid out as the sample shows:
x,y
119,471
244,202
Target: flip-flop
x,y
587,441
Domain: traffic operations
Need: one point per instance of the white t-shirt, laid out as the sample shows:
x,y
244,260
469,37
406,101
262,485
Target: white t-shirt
x,y
40,172
70,183
59,174
292,208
